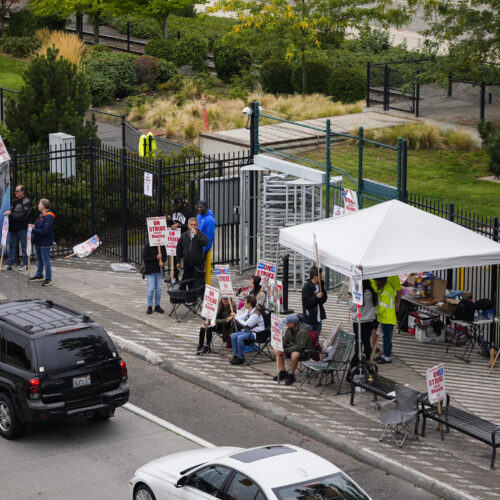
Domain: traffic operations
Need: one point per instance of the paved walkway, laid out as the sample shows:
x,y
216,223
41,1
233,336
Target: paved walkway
x,y
455,468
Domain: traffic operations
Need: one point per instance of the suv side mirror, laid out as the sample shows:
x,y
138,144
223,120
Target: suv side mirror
x,y
181,482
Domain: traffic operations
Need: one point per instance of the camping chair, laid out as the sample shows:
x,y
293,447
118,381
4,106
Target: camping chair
x,y
262,341
397,421
191,299
334,364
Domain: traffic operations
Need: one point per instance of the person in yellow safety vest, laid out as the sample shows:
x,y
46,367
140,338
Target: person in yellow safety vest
x,y
386,315
147,145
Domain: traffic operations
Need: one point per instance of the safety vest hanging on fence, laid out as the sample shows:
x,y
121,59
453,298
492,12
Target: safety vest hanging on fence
x,y
147,145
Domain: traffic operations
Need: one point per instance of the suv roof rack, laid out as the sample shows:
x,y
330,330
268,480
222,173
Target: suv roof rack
x,y
33,316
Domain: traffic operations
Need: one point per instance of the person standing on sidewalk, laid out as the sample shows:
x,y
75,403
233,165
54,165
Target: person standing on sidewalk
x,y
313,298
152,258
20,214
178,219
43,231
386,315
206,223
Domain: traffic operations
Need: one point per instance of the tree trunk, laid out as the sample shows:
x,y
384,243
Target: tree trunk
x,y
164,25
303,65
96,28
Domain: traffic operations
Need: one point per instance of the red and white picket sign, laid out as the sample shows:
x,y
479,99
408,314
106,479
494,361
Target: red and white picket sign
x,y
157,231
350,200
173,237
266,270
5,231
88,247
210,301
224,279
276,333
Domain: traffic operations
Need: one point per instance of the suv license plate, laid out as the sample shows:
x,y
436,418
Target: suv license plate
x,y
80,381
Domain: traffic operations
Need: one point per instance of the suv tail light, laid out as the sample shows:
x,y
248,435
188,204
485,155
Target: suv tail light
x,y
33,389
123,367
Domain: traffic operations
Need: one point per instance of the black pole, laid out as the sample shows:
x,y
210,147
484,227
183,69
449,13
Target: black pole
x,y
13,166
128,36
450,84
386,87
124,206
124,140
494,289
368,83
417,95
1,105
449,272
483,101
252,130
159,190
286,267
92,187
404,171
192,192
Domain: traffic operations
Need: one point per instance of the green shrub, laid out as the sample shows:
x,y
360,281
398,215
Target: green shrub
x,y
347,83
5,134
20,46
102,89
141,27
92,51
230,61
192,50
276,77
24,23
119,68
490,137
147,70
167,70
317,77
161,48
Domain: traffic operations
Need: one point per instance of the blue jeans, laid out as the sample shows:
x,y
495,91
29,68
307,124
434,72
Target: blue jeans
x,y
14,239
238,342
43,261
154,288
387,329
315,328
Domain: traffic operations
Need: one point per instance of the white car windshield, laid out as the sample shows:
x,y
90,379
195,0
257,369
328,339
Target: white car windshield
x,y
335,487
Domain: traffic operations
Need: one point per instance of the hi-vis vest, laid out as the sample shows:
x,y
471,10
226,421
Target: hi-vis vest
x,y
386,312
147,145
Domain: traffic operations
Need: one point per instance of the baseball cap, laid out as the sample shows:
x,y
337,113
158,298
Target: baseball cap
x,y
292,318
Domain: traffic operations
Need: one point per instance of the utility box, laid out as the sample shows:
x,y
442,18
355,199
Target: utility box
x,y
62,154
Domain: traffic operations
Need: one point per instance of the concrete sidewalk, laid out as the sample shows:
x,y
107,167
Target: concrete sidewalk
x,y
455,468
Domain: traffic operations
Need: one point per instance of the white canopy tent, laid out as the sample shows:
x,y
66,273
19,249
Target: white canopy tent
x,y
390,238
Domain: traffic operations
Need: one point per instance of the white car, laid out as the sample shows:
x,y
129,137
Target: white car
x,y
278,472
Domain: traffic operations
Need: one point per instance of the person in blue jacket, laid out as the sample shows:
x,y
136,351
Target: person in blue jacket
x,y
206,224
43,231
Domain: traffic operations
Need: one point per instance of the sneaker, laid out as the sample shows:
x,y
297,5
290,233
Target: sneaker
x,y
378,358
290,379
281,376
158,309
8,268
199,349
23,268
237,361
173,282
150,310
383,359
205,350
47,283
36,278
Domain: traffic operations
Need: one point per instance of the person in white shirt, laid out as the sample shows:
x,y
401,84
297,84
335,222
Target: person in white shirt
x,y
251,322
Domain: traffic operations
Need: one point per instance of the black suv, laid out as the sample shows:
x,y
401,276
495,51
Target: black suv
x,y
55,364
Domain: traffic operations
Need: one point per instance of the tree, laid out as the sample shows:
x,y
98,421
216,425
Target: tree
x,y
54,98
93,8
306,24
469,29
490,137
163,8
5,6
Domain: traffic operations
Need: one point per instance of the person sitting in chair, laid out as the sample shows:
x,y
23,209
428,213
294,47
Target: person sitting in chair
x,y
296,342
251,322
256,289
223,324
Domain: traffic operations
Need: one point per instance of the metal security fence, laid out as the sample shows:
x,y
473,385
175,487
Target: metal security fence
x,y
100,190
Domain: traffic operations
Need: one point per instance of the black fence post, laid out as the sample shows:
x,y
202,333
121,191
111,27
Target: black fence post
x,y
252,133
417,95
159,188
286,268
368,83
1,105
494,289
482,102
13,170
449,272
404,171
386,87
450,86
124,139
124,206
128,36
92,186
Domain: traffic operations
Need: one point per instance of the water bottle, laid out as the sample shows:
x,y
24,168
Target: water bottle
x,y
476,315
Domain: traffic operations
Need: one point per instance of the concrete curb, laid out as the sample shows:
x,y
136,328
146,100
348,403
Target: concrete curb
x,y
439,488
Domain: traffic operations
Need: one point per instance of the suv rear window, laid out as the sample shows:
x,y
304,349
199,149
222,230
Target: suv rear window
x,y
66,349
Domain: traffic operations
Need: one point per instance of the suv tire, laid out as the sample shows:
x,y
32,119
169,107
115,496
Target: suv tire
x,y
10,425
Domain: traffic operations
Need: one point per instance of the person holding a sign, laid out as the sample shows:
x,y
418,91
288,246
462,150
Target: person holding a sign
x,y
386,315
251,322
313,297
178,219
43,231
153,260
223,324
190,251
20,214
206,222
295,342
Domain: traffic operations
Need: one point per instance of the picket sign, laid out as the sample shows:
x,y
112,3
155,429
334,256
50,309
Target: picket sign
x,y
357,285
210,301
157,231
350,198
5,232
173,237
277,333
224,279
266,270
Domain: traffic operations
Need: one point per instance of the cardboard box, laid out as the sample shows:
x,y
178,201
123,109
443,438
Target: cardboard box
x,y
438,289
419,318
427,334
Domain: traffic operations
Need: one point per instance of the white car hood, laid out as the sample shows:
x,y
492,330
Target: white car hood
x,y
172,465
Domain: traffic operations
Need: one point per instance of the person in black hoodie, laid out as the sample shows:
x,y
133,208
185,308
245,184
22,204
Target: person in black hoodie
x,y
178,219
190,250
313,298
153,261
20,215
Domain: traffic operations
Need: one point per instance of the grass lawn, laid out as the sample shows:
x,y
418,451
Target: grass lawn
x,y
448,176
11,70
